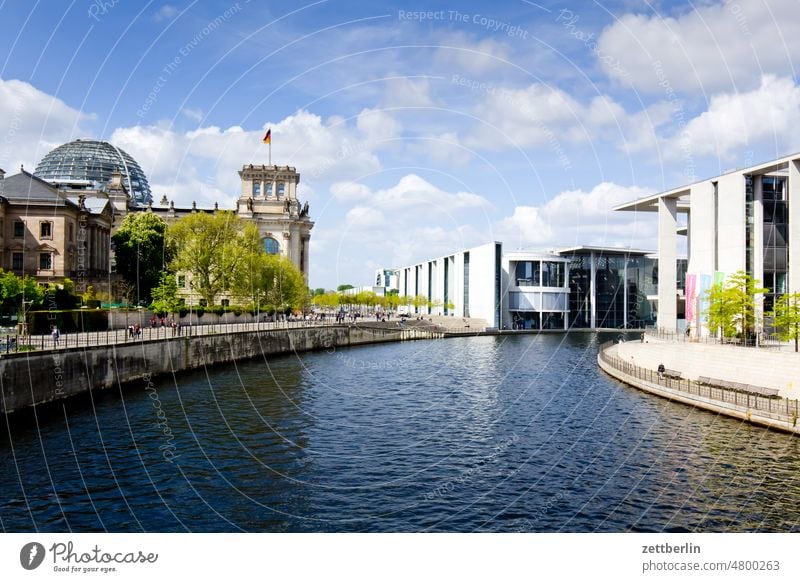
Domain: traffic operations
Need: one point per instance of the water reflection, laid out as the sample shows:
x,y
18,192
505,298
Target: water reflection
x,y
510,433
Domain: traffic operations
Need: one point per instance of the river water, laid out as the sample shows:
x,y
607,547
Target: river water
x,y
510,433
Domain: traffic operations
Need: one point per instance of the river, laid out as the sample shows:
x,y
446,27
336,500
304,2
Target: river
x,y
503,433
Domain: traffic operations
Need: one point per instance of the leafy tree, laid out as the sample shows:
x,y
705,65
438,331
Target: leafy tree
x,y
344,287
165,295
284,284
142,251
419,301
786,317
220,250
732,305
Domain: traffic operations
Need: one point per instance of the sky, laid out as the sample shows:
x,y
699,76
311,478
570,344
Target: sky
x,y
418,128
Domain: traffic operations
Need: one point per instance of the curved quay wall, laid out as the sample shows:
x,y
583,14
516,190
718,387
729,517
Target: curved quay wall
x,y
33,378
780,414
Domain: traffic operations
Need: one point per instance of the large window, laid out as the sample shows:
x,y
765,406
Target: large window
x,y
19,229
45,261
281,189
528,273
268,189
16,261
256,189
45,230
271,246
552,274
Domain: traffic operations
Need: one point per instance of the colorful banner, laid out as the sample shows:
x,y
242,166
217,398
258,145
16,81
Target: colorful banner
x,y
691,284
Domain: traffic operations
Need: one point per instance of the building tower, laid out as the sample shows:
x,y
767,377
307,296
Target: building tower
x,y
269,198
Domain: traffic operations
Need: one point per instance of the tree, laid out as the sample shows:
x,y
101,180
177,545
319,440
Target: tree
x,y
732,305
319,291
142,251
220,250
344,287
165,296
284,284
786,317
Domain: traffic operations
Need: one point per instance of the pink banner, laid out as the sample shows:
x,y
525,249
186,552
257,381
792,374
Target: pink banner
x,y
691,286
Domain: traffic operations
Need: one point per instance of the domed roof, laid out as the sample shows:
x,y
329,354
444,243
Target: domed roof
x,y
94,162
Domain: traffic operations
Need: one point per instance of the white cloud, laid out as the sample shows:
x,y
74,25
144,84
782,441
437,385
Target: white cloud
x,y
768,114
32,123
411,192
201,165
407,92
712,48
459,51
192,114
166,12
577,217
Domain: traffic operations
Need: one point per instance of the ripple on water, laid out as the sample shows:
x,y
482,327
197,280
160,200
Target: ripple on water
x,y
511,433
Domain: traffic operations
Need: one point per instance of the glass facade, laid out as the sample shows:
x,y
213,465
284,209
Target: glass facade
x,y
776,240
622,283
466,285
95,161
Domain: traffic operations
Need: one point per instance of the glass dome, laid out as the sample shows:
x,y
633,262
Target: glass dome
x,y
94,162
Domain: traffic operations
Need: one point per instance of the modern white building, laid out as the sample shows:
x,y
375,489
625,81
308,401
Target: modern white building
x,y
578,287
738,221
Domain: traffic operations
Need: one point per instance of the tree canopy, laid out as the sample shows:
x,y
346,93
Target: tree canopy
x,y
786,318
732,305
142,251
218,249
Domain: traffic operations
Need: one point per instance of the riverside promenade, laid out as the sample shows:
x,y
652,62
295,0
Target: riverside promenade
x,y
762,369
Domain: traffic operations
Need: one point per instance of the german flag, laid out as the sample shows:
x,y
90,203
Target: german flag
x,y
268,136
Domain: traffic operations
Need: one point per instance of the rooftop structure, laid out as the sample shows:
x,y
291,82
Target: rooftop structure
x,y
90,164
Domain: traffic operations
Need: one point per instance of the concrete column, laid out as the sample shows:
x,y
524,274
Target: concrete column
x,y
667,264
794,226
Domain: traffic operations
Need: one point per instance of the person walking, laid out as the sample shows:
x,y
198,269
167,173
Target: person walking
x,y
55,335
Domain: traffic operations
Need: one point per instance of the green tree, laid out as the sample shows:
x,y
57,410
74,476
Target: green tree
x,y
165,295
220,250
284,284
142,251
732,306
786,317
344,287
319,291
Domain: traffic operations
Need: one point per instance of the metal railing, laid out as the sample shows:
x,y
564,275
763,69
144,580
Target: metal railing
x,y
788,409
27,343
763,340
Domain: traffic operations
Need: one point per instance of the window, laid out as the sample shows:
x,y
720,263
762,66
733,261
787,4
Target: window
x,y
552,274
268,189
281,189
203,303
271,246
71,231
256,189
45,261
182,281
16,261
19,229
527,273
45,230
226,302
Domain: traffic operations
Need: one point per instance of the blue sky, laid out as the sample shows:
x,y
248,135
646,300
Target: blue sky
x,y
418,128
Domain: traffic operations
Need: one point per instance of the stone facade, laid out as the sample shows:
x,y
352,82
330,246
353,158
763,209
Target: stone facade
x,y
49,236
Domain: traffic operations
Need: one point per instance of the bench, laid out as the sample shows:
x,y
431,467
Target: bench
x,y
739,386
674,374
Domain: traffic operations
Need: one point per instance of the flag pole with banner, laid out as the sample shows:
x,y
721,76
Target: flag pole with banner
x,y
268,140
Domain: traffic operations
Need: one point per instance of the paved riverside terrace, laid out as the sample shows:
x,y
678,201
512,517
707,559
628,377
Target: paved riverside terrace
x,y
766,367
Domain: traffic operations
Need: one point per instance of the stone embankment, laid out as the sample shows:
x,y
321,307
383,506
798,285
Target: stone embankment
x,y
37,377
